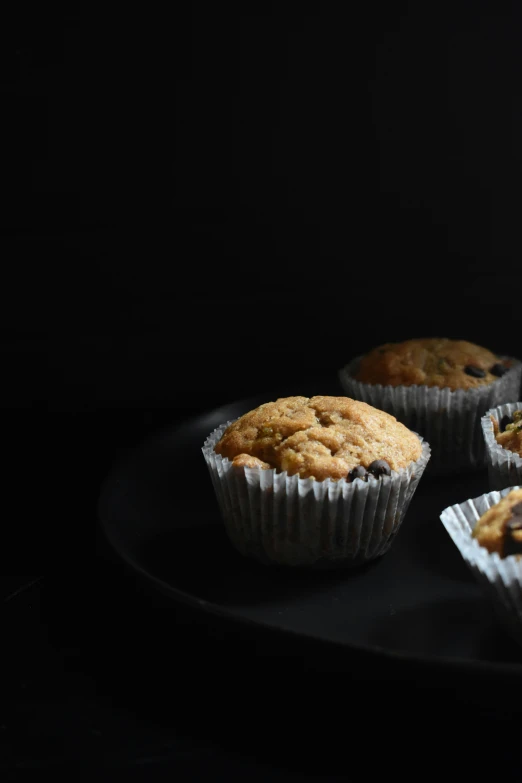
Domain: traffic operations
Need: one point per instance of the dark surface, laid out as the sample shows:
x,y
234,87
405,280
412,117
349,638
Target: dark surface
x,y
102,672
196,208
419,603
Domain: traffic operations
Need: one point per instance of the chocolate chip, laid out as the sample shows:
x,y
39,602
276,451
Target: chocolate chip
x,y
499,370
517,510
379,467
504,421
358,472
512,545
475,372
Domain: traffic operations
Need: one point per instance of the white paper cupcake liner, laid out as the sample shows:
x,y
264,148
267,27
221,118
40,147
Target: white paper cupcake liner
x,y
277,518
499,578
504,466
448,420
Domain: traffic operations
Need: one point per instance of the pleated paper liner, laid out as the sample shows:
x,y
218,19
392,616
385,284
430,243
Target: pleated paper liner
x,y
287,520
499,578
504,466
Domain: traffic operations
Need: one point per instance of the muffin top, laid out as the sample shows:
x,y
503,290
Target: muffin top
x,y
508,432
500,528
432,361
320,437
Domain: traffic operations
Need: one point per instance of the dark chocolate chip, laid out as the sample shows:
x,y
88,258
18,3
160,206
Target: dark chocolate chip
x,y
358,472
475,372
517,510
504,421
379,467
499,370
512,545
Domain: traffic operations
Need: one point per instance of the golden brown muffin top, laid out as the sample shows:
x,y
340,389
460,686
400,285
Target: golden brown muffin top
x,y
319,437
432,361
508,432
500,528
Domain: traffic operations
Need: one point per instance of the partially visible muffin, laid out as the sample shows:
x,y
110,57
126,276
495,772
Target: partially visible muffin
x,y
439,388
431,361
487,530
502,435
320,437
318,481
499,529
508,432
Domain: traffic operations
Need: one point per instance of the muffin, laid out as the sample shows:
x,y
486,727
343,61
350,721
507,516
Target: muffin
x,y
314,481
499,529
438,387
502,431
488,533
508,432
432,361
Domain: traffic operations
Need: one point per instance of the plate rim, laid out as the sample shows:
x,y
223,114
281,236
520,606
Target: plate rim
x,y
188,599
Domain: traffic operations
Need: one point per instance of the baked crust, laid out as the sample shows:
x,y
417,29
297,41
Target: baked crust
x,y
431,361
498,529
318,437
511,437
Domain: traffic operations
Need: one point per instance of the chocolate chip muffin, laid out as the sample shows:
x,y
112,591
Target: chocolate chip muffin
x,y
499,529
314,481
487,530
320,437
502,431
508,431
452,364
439,388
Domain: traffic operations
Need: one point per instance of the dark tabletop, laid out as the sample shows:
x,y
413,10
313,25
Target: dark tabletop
x,y
102,673
195,211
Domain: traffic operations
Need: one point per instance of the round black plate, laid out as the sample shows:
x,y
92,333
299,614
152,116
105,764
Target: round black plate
x,y
418,604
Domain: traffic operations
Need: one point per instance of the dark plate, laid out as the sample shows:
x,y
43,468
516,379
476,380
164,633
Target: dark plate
x,y
416,610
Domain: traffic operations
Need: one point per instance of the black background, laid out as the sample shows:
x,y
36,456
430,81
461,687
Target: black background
x,y
207,204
